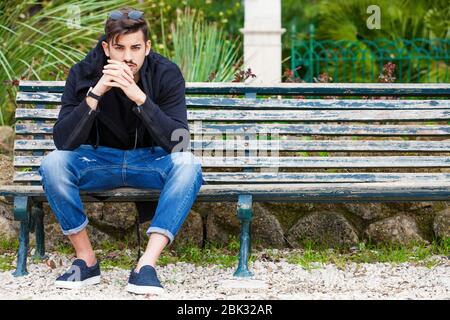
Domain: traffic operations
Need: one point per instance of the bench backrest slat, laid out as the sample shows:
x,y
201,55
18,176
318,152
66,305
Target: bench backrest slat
x,y
284,145
299,162
264,103
281,115
323,89
285,129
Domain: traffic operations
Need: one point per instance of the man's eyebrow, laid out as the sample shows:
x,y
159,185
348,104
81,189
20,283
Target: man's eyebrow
x,y
121,45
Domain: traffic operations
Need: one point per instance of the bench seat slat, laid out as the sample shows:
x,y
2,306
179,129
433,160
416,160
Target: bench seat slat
x,y
284,145
292,115
331,192
284,128
245,103
300,162
290,177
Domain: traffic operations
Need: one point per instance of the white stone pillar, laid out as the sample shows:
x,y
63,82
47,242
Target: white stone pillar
x,y
262,40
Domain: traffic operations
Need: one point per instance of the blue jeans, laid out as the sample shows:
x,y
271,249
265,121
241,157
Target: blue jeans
x,y
178,175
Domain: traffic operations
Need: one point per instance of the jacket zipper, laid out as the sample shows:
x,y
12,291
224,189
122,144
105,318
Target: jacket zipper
x,y
148,121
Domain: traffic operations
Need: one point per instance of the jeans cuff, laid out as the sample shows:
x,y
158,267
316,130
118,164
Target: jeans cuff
x,y
165,232
77,229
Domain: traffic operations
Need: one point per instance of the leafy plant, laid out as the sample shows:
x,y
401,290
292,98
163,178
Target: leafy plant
x,y
387,76
243,75
201,49
402,21
227,14
414,33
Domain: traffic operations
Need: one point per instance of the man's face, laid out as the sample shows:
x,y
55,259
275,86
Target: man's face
x,y
130,48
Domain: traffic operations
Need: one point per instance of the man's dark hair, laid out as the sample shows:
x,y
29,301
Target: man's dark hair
x,y
124,25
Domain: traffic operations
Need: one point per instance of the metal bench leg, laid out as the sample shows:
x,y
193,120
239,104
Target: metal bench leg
x,y
38,216
21,213
23,250
244,213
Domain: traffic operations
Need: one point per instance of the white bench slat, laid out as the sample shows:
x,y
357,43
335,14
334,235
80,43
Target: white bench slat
x,y
282,128
283,145
292,115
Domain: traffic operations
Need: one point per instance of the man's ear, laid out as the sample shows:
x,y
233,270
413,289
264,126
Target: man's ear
x,y
105,48
148,46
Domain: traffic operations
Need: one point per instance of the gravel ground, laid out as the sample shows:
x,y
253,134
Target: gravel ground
x,y
272,280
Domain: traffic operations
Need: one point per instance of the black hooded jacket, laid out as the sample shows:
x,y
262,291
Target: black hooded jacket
x,y
118,122
163,111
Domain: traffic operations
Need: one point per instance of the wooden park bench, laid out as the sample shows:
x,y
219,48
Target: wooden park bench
x,y
333,144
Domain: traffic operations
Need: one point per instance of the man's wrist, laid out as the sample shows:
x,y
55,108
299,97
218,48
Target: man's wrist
x,y
140,101
95,90
92,103
93,95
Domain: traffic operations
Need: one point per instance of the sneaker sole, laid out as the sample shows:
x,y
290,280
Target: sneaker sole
x,y
77,284
144,289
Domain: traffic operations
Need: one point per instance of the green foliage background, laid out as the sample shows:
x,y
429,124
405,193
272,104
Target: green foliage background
x,y
41,40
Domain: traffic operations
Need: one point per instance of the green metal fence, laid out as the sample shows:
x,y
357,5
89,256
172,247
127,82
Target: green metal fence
x,y
416,60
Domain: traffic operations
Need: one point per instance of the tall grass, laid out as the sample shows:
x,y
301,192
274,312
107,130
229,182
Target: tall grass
x,y
202,50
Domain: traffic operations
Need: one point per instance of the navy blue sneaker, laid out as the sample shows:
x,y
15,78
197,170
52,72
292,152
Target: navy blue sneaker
x,y
144,282
79,275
